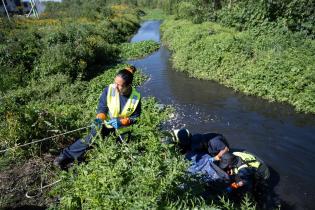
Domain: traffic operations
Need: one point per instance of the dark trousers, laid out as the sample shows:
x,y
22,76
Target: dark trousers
x,y
79,147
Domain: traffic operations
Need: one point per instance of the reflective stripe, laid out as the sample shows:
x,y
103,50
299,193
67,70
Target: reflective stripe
x,y
248,159
236,170
113,102
113,90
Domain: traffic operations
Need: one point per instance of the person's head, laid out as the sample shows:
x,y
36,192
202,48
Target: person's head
x,y
228,161
182,137
123,80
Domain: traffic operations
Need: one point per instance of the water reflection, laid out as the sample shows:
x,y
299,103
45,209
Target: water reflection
x,y
283,138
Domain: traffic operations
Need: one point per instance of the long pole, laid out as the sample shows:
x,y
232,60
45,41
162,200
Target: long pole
x,y
5,8
33,9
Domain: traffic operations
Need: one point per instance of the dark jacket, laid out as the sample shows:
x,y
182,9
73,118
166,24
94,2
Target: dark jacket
x,y
212,143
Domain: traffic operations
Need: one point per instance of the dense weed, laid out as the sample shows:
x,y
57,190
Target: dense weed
x,y
263,61
138,49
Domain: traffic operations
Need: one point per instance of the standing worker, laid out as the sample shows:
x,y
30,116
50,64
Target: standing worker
x,y
119,106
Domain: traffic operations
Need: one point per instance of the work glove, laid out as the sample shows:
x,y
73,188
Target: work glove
x,y
98,123
115,122
229,189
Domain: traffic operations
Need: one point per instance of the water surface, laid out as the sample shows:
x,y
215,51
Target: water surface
x,y
274,131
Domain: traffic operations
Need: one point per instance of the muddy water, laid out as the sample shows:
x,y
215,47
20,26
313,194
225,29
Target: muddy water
x,y
273,131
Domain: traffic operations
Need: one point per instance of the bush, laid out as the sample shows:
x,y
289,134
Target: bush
x,y
186,10
18,54
29,113
114,177
266,61
52,105
124,27
245,14
138,49
73,50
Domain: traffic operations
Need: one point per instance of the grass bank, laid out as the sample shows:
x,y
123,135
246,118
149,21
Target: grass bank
x,y
267,61
141,174
49,86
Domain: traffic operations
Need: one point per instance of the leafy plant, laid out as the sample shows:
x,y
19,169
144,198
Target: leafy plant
x,y
264,61
138,49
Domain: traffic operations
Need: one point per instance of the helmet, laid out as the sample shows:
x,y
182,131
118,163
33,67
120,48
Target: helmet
x,y
182,136
228,160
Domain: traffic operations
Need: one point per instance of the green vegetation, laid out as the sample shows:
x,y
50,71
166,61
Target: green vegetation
x,y
242,14
261,61
52,71
141,174
43,60
154,14
135,175
138,49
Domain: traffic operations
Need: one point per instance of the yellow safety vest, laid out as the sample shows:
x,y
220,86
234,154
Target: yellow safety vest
x,y
113,103
248,159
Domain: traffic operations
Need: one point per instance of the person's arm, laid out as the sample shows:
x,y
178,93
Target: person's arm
x,y
242,180
221,153
102,108
217,145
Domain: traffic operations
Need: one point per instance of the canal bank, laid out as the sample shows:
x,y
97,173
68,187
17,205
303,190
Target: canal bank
x,y
273,131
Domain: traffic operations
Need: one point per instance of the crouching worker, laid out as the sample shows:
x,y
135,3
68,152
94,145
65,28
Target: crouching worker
x,y
119,106
203,151
247,172
213,144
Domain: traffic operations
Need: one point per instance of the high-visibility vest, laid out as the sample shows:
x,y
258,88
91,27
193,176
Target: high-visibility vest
x,y
248,159
113,103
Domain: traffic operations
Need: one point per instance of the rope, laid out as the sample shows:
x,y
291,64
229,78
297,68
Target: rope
x,y
120,137
47,138
27,194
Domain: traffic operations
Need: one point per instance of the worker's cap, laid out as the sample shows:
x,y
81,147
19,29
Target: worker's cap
x,y
228,159
181,136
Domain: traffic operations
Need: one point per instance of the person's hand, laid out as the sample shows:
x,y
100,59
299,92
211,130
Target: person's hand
x,y
115,123
98,122
217,158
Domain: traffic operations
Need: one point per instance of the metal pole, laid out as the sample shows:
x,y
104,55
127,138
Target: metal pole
x,y
35,9
5,8
30,9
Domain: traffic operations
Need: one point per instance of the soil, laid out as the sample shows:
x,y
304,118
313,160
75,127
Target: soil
x,y
19,179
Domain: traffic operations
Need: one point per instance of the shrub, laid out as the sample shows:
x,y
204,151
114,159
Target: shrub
x,y
114,177
28,113
138,49
73,50
266,61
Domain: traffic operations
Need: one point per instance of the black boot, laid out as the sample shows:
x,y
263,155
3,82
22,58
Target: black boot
x,y
61,161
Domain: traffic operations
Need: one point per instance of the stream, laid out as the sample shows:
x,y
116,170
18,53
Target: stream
x,y
280,136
